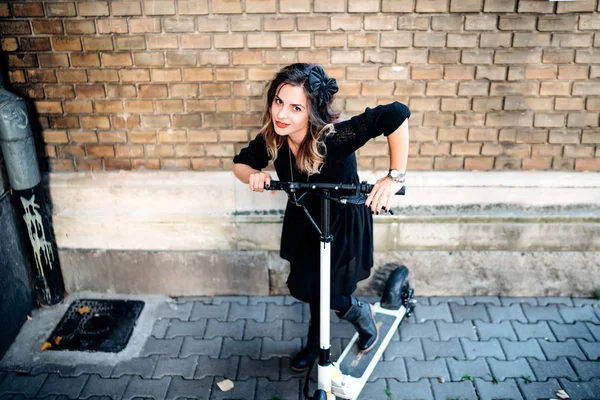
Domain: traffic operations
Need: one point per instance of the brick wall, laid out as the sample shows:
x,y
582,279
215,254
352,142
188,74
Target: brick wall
x,y
178,84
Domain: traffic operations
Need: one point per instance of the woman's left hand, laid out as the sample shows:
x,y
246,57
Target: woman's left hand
x,y
382,193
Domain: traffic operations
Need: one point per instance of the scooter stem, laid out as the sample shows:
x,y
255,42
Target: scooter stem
x,y
325,366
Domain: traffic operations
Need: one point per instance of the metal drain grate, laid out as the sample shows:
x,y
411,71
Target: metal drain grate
x,y
96,325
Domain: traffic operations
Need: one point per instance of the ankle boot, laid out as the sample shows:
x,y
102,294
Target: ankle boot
x,y
362,316
308,355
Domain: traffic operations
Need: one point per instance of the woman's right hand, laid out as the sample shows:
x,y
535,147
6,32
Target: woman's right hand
x,y
257,181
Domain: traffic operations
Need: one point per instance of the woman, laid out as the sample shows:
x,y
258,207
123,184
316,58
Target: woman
x,y
302,138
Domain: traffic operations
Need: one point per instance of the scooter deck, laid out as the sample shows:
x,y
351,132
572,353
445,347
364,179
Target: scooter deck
x,y
356,362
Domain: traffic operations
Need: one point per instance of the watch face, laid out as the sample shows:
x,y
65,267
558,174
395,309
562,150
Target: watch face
x,y
394,173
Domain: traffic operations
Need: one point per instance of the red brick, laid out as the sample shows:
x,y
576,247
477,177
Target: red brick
x,y
15,28
36,44
198,7
126,8
47,26
41,75
80,27
24,10
159,7
93,8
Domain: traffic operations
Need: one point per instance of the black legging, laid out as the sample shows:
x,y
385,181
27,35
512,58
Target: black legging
x,y
339,303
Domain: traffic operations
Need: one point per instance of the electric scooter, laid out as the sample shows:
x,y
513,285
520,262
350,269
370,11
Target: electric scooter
x,y
346,377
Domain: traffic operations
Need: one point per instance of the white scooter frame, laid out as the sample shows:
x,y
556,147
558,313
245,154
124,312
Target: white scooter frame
x,y
346,378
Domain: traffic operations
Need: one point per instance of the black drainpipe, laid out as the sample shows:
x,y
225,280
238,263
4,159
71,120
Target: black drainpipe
x,y
30,200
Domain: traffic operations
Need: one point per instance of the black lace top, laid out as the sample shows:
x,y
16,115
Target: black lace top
x,y
351,226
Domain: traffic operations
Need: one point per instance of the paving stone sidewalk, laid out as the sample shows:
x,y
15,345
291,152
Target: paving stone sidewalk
x,y
452,348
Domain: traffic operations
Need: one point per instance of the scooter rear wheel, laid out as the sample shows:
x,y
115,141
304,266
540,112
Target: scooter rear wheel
x,y
396,289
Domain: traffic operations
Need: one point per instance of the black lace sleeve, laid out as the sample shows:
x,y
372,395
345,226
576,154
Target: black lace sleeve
x,y
255,154
352,134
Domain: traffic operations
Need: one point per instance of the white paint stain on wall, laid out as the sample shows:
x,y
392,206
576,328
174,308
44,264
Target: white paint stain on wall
x,y
42,248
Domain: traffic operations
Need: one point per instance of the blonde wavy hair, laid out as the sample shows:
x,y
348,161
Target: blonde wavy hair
x,y
311,152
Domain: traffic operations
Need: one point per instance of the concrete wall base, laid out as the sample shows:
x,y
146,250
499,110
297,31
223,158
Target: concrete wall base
x,y
261,273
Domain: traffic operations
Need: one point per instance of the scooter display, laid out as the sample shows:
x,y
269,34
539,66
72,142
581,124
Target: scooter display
x,y
346,377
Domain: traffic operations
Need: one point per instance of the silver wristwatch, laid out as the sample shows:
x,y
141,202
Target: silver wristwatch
x,y
396,176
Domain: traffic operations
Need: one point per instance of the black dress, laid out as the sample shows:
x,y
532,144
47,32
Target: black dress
x,y
351,226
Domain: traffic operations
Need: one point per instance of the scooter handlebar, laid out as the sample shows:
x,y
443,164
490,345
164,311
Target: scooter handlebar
x,y
332,187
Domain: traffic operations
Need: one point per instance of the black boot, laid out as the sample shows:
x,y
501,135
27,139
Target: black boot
x,y
362,316
307,356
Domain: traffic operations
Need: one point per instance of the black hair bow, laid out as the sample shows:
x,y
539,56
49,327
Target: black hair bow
x,y
323,88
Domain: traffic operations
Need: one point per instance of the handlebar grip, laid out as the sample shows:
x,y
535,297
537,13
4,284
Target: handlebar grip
x,y
274,185
367,188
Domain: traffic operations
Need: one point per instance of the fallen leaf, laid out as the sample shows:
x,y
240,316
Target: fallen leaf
x,y
441,379
46,346
57,340
29,318
225,385
84,310
562,394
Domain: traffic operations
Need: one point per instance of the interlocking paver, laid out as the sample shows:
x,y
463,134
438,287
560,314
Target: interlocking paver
x,y
507,389
288,373
580,301
255,312
477,311
172,309
208,366
230,299
155,388
546,313
189,389
565,301
143,367
570,331
259,368
435,349
160,327
411,348
423,300
273,330
410,390
472,300
51,368
240,390
594,328
57,385
390,369
437,312
559,368
590,349
540,330
425,330
292,312
574,314
186,328
289,390
464,370
585,369
426,369
22,384
506,313
224,329
161,346
266,299
488,330
509,369
209,311
232,347
98,386
293,329
184,367
453,390
490,348
289,300
539,390
568,348
446,299
192,299
202,347
342,330
507,301
528,348
581,390
449,330
104,371
279,348
374,390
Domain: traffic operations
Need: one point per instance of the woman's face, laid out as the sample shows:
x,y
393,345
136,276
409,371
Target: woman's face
x,y
289,112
